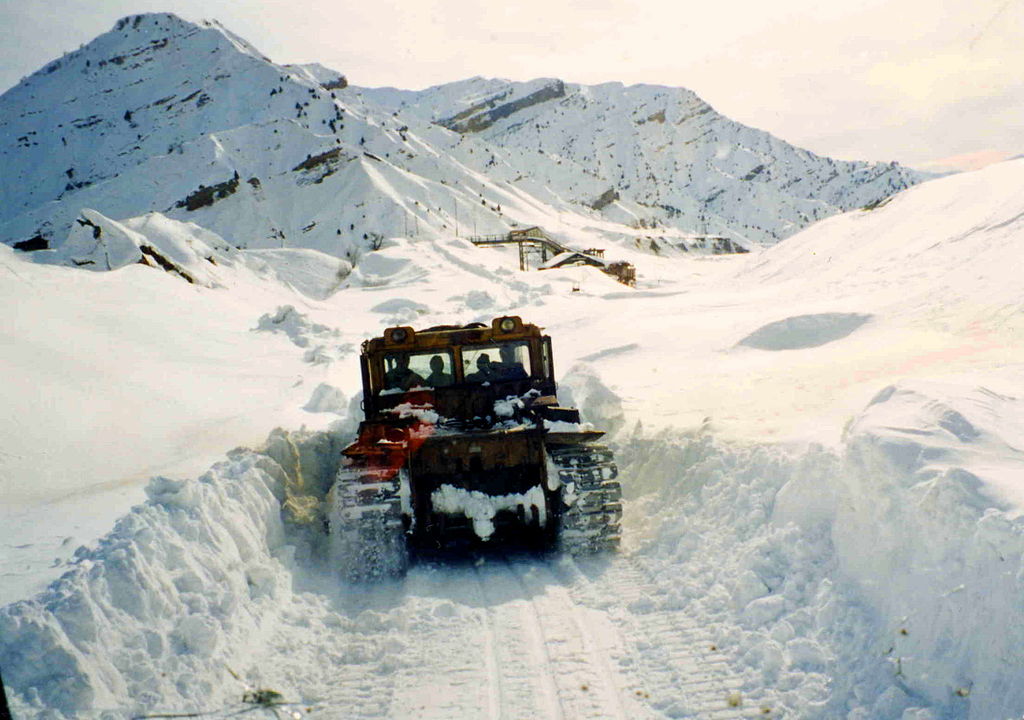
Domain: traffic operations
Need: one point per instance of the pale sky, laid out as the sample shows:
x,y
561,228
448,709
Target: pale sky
x,y
908,80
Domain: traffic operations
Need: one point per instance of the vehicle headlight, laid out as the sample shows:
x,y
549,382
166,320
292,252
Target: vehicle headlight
x,y
507,325
398,335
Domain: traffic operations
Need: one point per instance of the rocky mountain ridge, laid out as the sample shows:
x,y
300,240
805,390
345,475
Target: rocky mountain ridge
x,y
189,120
679,161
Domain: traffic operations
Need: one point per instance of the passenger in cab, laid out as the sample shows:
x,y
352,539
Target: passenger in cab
x,y
438,377
484,369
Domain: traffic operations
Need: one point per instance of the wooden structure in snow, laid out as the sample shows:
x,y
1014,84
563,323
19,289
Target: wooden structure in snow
x,y
570,258
531,239
555,255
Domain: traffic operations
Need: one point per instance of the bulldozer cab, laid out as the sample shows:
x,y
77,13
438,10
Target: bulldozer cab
x,y
458,370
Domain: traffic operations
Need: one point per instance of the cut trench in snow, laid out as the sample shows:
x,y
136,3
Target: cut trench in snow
x,y
570,629
219,573
743,591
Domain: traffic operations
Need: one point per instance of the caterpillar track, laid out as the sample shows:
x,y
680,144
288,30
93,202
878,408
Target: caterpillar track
x,y
366,528
591,522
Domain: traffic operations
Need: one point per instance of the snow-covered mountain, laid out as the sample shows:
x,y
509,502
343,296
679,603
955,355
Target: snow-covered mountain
x,y
659,155
164,115
208,281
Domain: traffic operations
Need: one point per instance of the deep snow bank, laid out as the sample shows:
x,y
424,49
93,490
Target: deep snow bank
x,y
154,615
185,250
764,591
113,377
882,580
165,611
879,581
930,526
192,253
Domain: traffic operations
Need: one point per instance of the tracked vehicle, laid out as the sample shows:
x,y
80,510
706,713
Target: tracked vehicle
x,y
464,442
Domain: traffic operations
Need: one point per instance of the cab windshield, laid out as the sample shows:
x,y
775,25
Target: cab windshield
x,y
404,371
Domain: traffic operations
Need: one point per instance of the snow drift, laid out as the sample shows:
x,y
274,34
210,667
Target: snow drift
x,y
184,250
930,525
154,615
879,580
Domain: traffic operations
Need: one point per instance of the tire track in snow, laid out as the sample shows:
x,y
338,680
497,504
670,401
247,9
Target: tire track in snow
x,y
496,701
403,649
514,637
333,663
527,675
450,671
588,687
678,670
495,691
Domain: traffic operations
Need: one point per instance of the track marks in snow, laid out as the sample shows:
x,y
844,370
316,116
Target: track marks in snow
x,y
495,687
520,647
526,672
675,667
450,670
507,638
587,686
334,659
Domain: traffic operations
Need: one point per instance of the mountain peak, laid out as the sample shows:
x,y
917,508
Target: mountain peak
x,y
187,119
148,21
148,87
132,39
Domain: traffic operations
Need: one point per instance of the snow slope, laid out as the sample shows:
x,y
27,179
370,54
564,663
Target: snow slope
x,y
745,587
134,372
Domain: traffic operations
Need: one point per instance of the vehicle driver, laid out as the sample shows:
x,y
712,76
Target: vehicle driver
x,y
401,376
509,368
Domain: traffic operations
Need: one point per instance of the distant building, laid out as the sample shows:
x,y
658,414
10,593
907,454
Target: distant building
x,y
624,272
536,240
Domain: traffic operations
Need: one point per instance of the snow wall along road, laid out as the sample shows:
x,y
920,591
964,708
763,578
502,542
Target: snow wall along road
x,y
880,581
182,585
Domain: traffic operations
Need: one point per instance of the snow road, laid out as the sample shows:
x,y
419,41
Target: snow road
x,y
502,636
